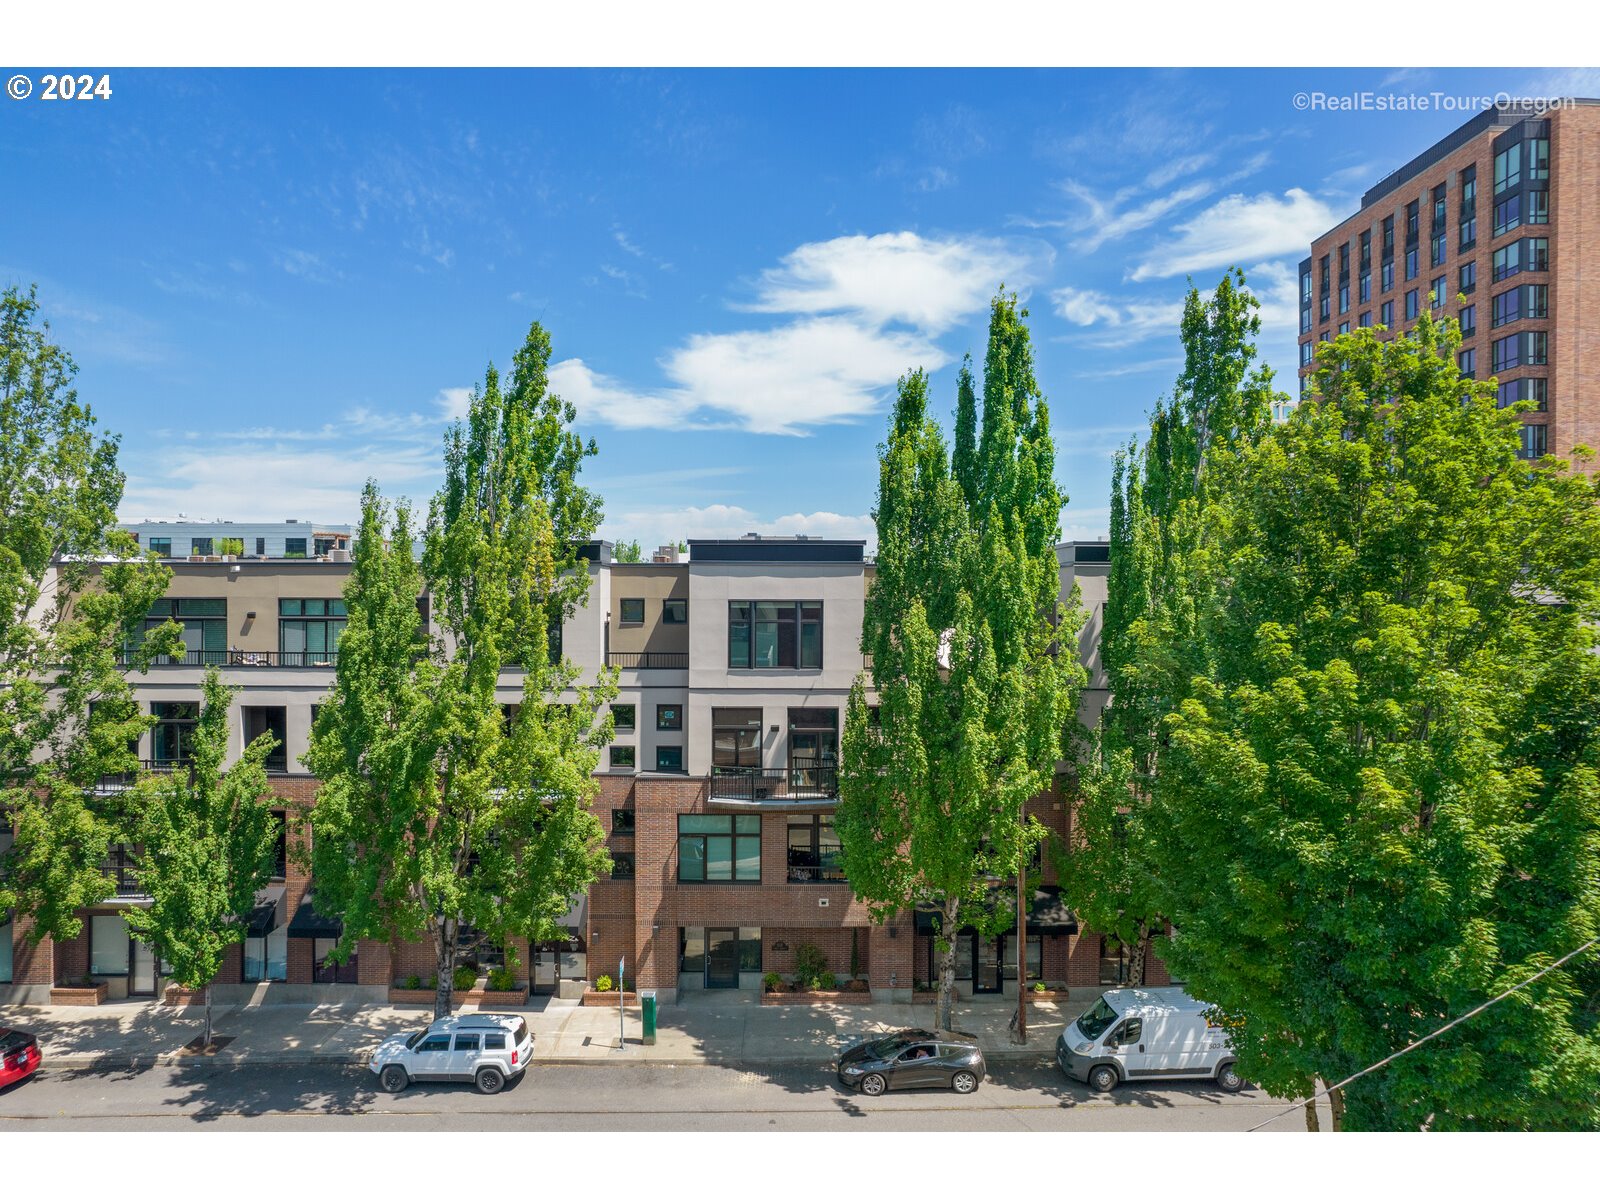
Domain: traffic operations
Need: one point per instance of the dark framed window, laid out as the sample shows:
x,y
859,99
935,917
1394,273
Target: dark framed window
x,y
1530,388
172,739
1365,288
1467,361
621,757
294,547
1113,962
1436,254
1412,307
669,758
622,821
323,971
1467,278
1411,263
309,631
205,627
669,716
813,850
735,737
1436,293
674,612
1366,320
280,844
784,634
1344,298
633,611
1469,320
719,848
161,547
201,545
1388,276
749,948
1508,214
1386,313
622,864
261,547
1534,442
1508,168
623,717
274,720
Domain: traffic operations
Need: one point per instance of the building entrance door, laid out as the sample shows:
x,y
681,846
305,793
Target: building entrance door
x,y
142,970
722,958
986,965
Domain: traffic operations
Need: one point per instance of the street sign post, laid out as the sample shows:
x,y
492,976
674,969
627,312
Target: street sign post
x,y
622,1002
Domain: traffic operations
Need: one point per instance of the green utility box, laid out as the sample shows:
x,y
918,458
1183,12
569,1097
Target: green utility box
x,y
647,1007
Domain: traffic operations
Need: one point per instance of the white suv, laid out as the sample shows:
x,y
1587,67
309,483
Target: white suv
x,y
484,1049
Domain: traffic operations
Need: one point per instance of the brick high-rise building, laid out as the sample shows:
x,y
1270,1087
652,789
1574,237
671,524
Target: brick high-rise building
x,y
1497,225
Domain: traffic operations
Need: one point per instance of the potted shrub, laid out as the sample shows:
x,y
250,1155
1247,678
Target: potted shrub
x,y
230,548
809,965
772,981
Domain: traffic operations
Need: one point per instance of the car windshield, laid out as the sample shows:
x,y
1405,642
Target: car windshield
x,y
411,1042
1097,1020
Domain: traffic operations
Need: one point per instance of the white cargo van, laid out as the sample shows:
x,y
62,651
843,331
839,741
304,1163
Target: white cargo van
x,y
1146,1033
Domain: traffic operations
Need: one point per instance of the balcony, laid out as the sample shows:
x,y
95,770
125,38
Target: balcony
x,y
803,870
126,779
648,660
121,866
804,782
243,658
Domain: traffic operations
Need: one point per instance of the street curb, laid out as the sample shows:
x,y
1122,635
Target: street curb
x,y
629,1057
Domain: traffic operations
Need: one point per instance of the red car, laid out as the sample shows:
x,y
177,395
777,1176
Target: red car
x,y
19,1056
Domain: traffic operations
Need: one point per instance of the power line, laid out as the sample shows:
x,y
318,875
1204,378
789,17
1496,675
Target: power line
x,y
1383,1062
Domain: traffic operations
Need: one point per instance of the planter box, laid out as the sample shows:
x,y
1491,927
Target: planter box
x,y
594,999
1047,996
79,997
177,997
816,997
516,998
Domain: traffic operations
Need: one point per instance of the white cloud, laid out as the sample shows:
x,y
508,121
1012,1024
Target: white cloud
x,y
1116,322
600,398
1177,169
1133,219
891,278
1240,229
453,402
303,264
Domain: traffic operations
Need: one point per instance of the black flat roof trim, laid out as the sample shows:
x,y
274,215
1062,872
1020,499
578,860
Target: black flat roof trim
x,y
774,551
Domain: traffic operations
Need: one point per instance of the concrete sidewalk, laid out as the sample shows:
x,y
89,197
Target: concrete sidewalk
x,y
705,1028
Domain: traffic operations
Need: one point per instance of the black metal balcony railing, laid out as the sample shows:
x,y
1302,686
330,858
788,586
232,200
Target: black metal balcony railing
x,y
121,866
129,778
244,658
648,660
808,872
804,779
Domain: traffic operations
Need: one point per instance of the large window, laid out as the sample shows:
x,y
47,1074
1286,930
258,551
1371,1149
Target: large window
x,y
267,958
1534,443
1520,350
718,848
622,758
766,633
161,547
1469,320
814,850
1467,278
205,627
1508,168
1525,254
735,737
674,612
108,944
633,610
623,717
1528,388
173,736
669,716
309,631
669,758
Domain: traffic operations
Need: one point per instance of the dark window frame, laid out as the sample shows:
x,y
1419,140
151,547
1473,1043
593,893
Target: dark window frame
x,y
615,763
742,827
674,612
633,717
680,769
666,721
623,606
751,622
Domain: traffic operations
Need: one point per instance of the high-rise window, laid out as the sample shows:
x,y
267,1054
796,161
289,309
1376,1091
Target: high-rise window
x,y
1508,214
1366,320
1388,237
1436,254
1538,208
1469,320
173,736
766,633
735,738
1364,288
1467,278
1412,211
1467,360
1412,307
1438,207
1508,168
814,850
1344,298
1388,276
1530,387
1308,351
1538,159
268,720
1436,293
1386,314
1534,442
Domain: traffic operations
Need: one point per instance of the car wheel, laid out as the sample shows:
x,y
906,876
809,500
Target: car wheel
x,y
490,1080
874,1085
964,1082
1228,1078
1103,1078
393,1078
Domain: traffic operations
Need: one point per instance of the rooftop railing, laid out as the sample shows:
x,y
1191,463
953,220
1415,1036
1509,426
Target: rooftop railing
x,y
327,659
803,779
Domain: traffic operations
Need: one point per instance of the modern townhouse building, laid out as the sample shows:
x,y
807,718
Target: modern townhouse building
x,y
1510,202
717,794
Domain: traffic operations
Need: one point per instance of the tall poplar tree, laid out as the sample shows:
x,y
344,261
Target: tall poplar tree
x,y
439,808
1379,803
1156,588
206,839
73,588
963,625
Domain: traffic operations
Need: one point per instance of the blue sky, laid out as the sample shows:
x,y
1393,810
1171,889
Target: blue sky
x,y
277,283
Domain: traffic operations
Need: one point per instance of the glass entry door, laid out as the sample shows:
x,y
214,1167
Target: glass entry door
x,y
986,965
142,971
722,958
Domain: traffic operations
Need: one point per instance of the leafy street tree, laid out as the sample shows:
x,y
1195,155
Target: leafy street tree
x,y
629,552
441,807
72,590
962,625
1378,805
206,841
1147,642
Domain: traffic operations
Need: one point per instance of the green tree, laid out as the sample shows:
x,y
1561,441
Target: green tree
x,y
629,552
962,625
73,588
440,805
1149,650
1379,803
206,840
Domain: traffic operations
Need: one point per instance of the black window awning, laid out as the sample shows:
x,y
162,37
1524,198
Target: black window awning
x,y
309,923
1047,913
263,918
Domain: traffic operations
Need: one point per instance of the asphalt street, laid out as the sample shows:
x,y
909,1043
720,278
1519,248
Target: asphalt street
x,y
1019,1095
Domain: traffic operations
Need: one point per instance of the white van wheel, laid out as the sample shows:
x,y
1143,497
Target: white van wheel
x,y
1103,1078
1228,1078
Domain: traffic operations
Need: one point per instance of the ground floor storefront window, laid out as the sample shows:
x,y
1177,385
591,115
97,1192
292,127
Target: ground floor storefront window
x,y
713,958
267,958
985,964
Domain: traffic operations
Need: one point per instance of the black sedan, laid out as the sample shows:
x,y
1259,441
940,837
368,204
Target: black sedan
x,y
913,1058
